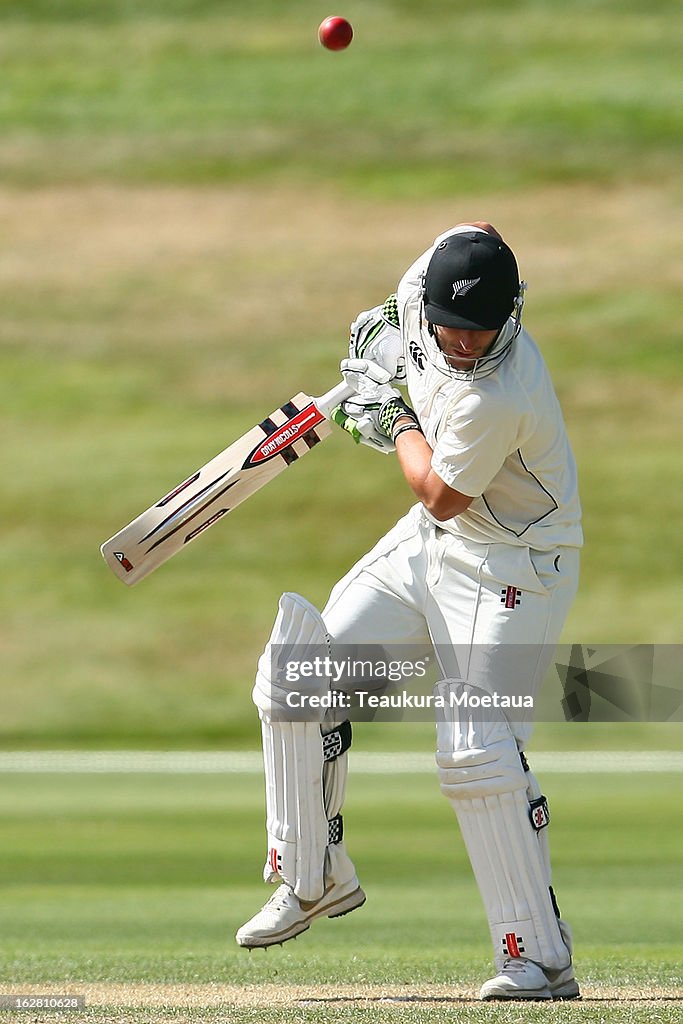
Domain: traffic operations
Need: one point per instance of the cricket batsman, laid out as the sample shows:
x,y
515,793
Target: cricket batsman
x,y
481,571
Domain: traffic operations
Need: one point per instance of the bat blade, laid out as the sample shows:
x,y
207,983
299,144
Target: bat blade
x,y
221,485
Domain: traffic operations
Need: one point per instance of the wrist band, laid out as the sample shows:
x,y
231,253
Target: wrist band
x,y
402,429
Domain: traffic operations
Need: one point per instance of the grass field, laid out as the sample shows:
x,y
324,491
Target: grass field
x,y
195,201
128,889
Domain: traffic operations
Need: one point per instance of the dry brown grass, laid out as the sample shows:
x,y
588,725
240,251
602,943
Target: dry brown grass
x,y
215,995
65,237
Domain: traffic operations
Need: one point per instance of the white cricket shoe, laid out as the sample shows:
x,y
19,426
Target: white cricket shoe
x,y
285,915
523,979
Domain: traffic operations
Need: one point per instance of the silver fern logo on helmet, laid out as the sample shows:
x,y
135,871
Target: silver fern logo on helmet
x,y
462,287
485,365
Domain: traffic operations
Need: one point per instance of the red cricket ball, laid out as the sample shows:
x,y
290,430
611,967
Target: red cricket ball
x,y
335,33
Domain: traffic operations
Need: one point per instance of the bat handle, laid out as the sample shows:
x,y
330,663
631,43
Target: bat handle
x,y
331,399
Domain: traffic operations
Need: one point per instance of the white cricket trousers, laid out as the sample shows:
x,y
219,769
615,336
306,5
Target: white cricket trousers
x,y
491,613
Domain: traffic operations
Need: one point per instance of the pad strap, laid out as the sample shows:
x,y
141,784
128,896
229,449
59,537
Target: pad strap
x,y
337,741
335,830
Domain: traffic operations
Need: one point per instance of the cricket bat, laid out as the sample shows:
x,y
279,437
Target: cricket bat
x,y
231,477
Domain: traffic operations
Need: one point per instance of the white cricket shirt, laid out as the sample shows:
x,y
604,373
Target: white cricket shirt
x,y
499,438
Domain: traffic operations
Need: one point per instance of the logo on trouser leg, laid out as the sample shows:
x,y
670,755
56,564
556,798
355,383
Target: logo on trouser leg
x,y
511,597
539,813
274,860
512,944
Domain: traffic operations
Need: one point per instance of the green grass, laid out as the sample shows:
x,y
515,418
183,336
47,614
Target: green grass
x,y
425,100
143,879
195,201
136,343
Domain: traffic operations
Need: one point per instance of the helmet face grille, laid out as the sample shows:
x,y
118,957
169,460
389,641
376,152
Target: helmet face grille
x,y
472,281
485,365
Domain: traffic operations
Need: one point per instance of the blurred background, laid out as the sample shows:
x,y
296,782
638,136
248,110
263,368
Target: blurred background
x,y
196,199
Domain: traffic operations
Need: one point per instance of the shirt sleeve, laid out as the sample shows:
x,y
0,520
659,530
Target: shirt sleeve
x,y
479,435
411,281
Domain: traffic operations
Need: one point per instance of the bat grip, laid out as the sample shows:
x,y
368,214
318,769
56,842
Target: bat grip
x,y
331,399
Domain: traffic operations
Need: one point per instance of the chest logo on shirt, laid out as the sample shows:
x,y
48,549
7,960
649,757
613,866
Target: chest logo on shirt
x,y
462,287
417,355
511,597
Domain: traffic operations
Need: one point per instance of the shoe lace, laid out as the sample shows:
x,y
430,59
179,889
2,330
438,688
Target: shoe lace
x,y
514,965
279,897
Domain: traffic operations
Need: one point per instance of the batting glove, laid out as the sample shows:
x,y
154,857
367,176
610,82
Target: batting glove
x,y
375,334
368,379
391,413
371,382
371,416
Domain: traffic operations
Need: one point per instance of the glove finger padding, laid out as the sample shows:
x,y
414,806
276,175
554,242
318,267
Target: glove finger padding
x,y
375,334
368,379
359,421
372,414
